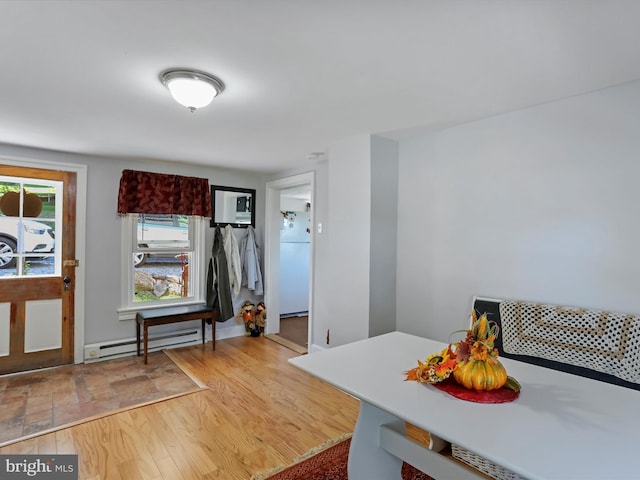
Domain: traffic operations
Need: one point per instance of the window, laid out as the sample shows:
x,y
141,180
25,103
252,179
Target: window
x,y
162,261
30,217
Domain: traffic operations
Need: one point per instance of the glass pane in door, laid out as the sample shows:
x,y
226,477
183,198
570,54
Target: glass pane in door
x,y
29,219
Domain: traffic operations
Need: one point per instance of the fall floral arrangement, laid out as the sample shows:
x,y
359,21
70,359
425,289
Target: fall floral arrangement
x,y
473,362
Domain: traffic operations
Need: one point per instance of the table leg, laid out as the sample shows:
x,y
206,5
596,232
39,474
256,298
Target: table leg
x,y
367,460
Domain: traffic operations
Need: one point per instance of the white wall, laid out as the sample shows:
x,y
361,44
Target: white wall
x,y
383,254
540,204
355,255
348,256
322,269
103,251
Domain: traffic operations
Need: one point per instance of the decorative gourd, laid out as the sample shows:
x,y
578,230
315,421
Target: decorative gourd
x,y
487,374
478,364
474,364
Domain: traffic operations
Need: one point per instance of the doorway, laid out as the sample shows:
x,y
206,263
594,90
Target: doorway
x,y
295,257
289,254
37,267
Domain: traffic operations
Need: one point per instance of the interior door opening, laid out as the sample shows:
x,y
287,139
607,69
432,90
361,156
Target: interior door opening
x,y
289,260
295,257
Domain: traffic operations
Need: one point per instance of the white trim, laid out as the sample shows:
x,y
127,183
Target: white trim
x,y
272,248
81,231
128,309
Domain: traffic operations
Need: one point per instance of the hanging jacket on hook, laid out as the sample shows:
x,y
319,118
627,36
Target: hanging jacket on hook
x,y
233,259
218,286
251,273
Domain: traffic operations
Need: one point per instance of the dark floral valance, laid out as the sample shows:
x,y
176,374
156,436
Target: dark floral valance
x,y
147,192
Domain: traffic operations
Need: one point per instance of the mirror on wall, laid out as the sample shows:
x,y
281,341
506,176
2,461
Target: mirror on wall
x,y
233,206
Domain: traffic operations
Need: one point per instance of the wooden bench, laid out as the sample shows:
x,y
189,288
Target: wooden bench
x,y
162,316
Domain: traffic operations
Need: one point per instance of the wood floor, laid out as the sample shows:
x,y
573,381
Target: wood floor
x,y
257,413
295,329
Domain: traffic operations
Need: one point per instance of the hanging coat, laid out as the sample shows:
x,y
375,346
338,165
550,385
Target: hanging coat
x,y
233,259
218,288
251,274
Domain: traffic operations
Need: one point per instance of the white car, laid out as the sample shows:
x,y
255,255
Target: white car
x,y
160,232
36,237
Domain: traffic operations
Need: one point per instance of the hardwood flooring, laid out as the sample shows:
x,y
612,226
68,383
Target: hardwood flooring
x,y
257,412
295,329
293,333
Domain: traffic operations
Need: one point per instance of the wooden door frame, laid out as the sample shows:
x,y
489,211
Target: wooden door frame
x,y
81,221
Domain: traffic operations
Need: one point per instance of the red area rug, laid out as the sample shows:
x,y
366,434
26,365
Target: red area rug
x,y
331,464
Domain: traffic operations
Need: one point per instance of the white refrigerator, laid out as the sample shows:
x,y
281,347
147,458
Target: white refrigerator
x,y
294,263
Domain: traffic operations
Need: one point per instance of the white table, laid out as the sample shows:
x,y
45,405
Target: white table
x,y
561,427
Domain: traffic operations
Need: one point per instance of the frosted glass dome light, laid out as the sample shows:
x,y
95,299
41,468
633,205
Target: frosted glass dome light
x,y
191,88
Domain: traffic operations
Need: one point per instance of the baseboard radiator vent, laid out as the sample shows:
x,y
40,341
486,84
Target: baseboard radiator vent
x,y
122,348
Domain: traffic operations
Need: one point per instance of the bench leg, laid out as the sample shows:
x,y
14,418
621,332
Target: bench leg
x,y
203,329
137,338
213,333
146,341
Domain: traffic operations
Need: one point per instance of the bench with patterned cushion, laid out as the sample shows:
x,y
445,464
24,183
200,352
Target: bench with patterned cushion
x,y
596,344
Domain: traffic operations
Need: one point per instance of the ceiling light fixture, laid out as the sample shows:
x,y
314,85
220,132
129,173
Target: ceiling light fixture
x,y
191,88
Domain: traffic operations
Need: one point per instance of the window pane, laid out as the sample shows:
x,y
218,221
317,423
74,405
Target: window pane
x,y
161,276
8,270
39,265
9,226
27,225
163,232
46,203
156,274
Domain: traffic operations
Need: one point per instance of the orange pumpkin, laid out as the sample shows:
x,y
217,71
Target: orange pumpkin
x,y
487,374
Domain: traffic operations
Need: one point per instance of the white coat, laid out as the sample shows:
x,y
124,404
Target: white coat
x,y
234,266
251,274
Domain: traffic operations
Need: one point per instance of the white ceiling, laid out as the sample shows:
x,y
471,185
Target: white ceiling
x,y
82,76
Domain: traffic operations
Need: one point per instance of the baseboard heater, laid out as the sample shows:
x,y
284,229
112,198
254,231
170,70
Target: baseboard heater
x,y
122,348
